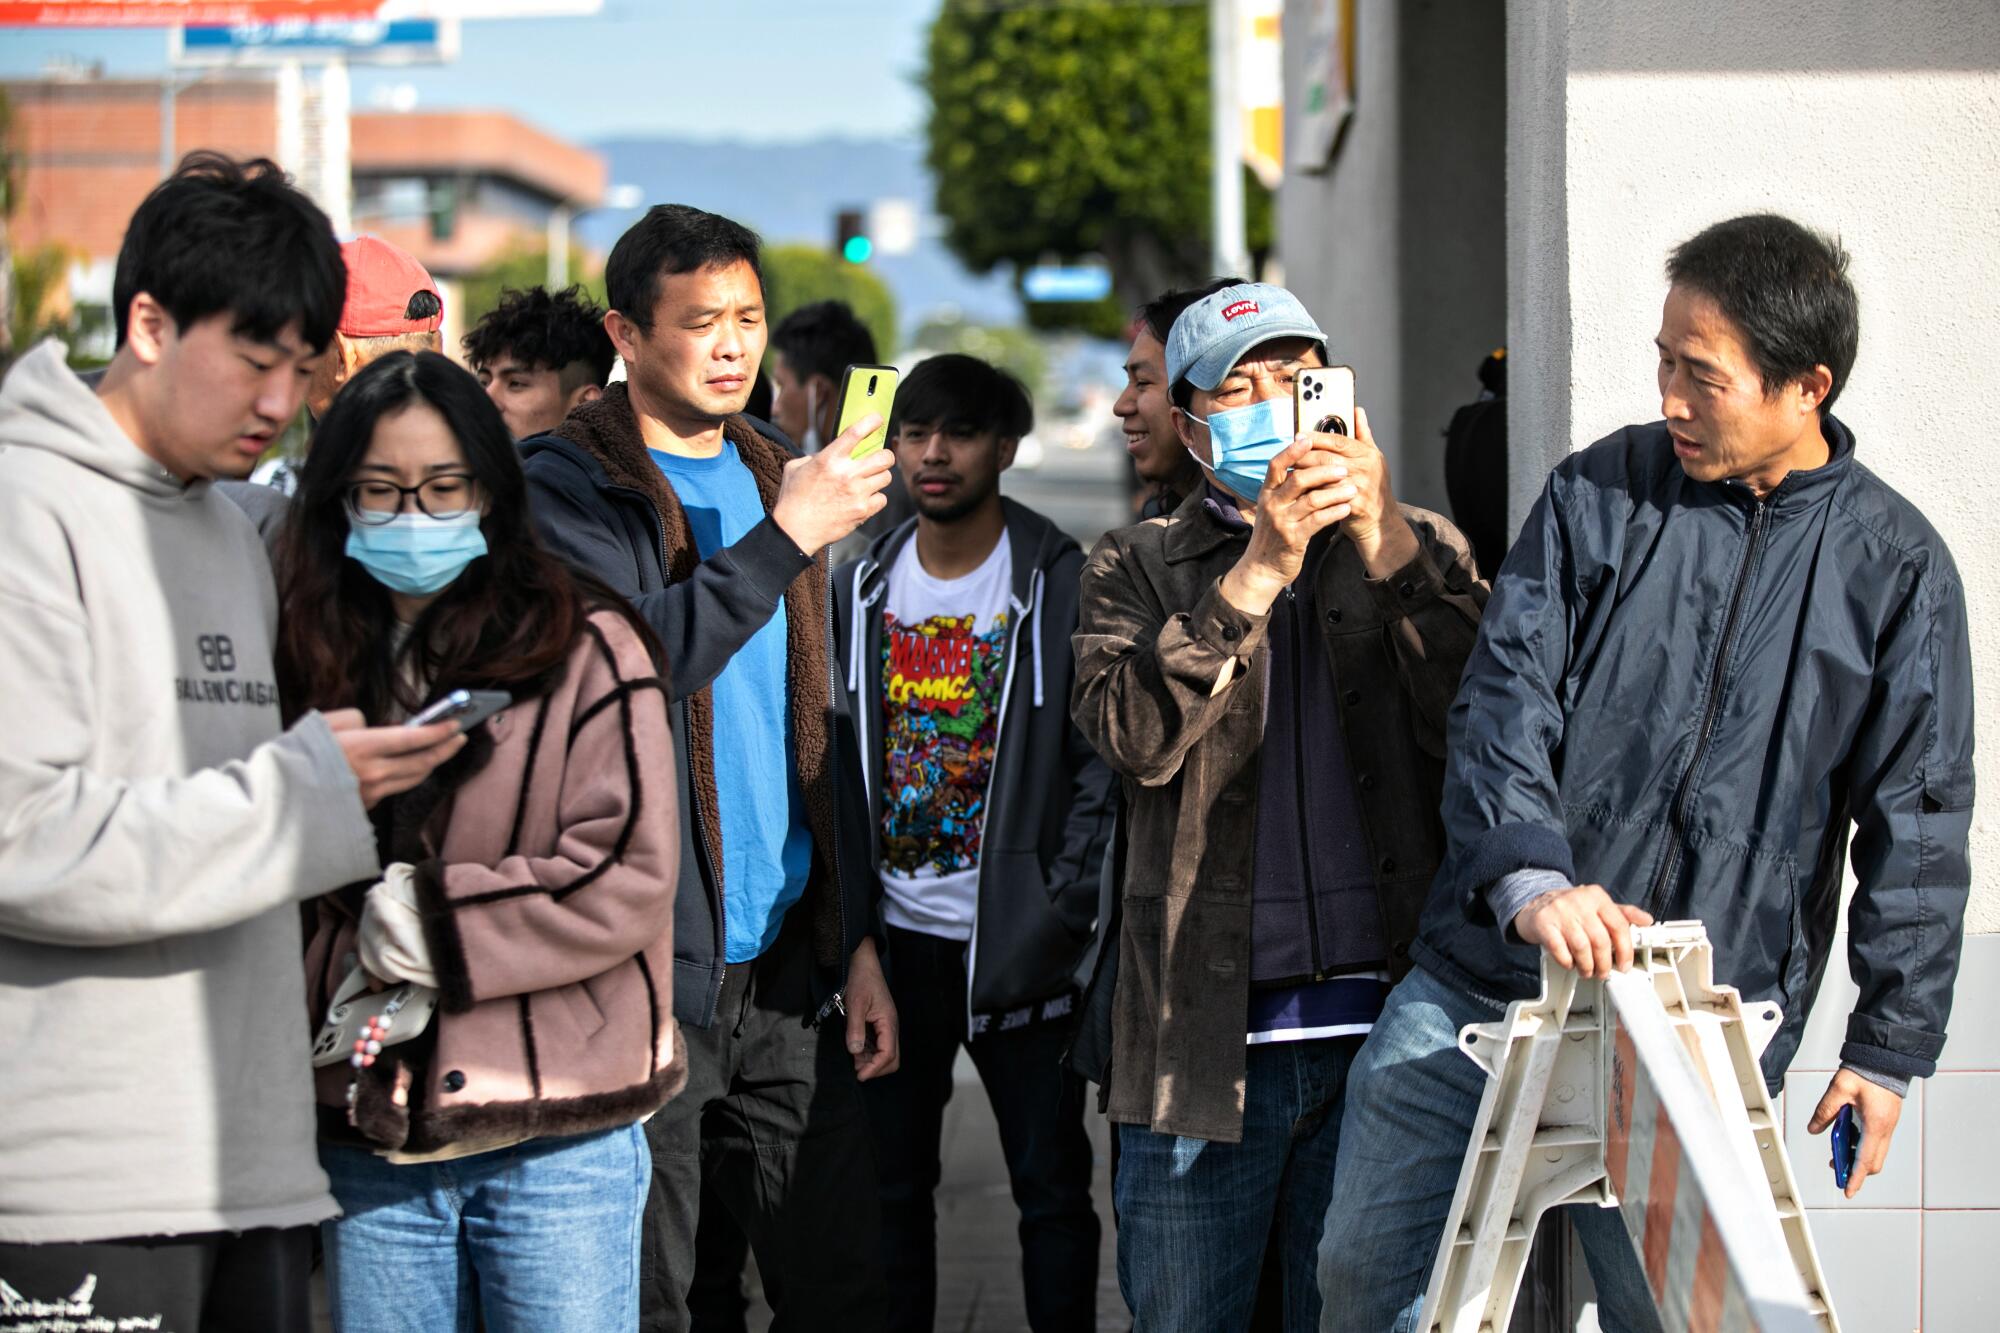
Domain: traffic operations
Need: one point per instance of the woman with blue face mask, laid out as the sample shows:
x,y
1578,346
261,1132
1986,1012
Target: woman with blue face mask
x,y
495,1012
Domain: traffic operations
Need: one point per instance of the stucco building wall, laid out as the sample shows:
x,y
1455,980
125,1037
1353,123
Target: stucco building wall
x,y
1628,126
1889,138
1398,249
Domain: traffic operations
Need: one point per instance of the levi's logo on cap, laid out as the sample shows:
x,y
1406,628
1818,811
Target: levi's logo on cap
x,y
1237,309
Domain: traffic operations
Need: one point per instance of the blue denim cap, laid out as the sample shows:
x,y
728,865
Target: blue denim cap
x,y
1212,335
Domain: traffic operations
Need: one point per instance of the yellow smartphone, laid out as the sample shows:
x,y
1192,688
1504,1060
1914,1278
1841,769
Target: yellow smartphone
x,y
865,389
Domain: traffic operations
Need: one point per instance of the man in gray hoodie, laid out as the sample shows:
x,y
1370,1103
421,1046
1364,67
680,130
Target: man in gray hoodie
x,y
157,825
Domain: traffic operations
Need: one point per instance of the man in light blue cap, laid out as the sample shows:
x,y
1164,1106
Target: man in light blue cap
x,y
1268,668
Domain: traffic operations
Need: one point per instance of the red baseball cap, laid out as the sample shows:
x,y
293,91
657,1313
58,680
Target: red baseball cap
x,y
380,282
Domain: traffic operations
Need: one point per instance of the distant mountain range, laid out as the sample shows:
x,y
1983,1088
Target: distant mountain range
x,y
790,192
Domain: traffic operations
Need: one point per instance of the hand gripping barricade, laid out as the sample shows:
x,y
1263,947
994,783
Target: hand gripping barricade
x,y
1642,1092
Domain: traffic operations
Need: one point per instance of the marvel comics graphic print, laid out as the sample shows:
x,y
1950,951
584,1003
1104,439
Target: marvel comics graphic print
x,y
941,705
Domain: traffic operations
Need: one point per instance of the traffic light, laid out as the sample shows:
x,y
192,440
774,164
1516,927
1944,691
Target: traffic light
x,y
850,236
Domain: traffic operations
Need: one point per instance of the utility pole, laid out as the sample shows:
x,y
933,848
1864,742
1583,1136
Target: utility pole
x,y
1229,254
558,233
169,85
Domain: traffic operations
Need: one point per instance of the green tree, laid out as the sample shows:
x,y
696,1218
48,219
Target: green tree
x,y
796,275
9,196
520,268
1078,130
35,277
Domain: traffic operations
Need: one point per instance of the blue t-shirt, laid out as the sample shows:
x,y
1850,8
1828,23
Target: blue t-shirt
x,y
765,858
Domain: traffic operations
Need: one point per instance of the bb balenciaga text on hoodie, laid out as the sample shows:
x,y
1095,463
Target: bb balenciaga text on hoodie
x,y
156,830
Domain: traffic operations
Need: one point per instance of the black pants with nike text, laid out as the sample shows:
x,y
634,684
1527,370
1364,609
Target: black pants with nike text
x,y
1039,1105
771,1119
217,1282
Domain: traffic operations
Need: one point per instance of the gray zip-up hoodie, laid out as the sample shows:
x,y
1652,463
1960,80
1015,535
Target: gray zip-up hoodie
x,y
156,828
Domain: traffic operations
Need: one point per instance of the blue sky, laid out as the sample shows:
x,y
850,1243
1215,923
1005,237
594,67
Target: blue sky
x,y
769,71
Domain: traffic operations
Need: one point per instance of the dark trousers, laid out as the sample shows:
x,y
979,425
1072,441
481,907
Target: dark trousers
x,y
217,1282
771,1119
717,1302
1039,1105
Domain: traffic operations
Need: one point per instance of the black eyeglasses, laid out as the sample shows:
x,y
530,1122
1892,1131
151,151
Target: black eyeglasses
x,y
446,495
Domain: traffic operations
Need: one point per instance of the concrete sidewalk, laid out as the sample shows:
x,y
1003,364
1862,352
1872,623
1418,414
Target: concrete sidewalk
x,y
979,1255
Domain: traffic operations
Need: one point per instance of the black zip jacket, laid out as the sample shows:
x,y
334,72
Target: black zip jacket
x,y
1048,811
606,509
1690,696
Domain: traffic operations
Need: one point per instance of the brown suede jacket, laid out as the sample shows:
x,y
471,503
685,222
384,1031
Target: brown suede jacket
x,y
1170,689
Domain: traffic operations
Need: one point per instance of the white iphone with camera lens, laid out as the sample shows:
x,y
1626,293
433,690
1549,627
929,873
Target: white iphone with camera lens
x,y
1324,399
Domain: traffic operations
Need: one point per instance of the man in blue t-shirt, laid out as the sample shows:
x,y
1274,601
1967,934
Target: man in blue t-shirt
x,y
716,531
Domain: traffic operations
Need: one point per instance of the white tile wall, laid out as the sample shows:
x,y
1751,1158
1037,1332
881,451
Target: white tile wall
x,y
1973,1043
1974,1040
1959,1250
1826,1026
1901,1183
1918,1249
1873,1263
1962,1170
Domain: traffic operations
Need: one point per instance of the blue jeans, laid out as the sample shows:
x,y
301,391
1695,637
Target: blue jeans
x,y
1194,1214
542,1237
1411,1101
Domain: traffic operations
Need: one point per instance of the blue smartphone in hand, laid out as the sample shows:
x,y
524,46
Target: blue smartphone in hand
x,y
1846,1136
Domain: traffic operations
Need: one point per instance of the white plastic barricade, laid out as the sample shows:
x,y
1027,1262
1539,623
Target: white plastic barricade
x,y
1640,1092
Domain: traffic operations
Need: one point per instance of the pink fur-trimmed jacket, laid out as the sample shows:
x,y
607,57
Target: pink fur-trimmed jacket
x,y
546,855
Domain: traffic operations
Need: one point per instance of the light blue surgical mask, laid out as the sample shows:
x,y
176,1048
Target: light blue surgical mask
x,y
416,554
1244,440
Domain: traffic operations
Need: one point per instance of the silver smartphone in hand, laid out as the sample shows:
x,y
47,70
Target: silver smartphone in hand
x,y
468,708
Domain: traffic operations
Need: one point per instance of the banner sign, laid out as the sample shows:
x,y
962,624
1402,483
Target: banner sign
x,y
359,42
167,13
1328,98
173,13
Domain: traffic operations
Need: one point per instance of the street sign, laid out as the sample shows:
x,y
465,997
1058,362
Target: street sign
x,y
1080,282
357,41
166,13
893,226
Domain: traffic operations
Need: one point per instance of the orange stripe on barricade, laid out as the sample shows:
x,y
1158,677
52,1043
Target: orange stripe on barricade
x,y
1618,1132
1661,1190
1711,1273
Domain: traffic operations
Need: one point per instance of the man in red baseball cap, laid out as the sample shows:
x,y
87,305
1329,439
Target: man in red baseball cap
x,y
392,306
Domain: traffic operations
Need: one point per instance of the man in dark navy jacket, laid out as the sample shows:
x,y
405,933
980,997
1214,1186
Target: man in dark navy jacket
x,y
1720,647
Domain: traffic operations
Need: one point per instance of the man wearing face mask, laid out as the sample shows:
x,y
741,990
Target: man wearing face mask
x,y
1269,667
809,349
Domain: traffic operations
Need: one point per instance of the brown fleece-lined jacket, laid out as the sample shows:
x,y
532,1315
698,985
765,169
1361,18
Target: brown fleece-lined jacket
x,y
1171,690
602,503
546,861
